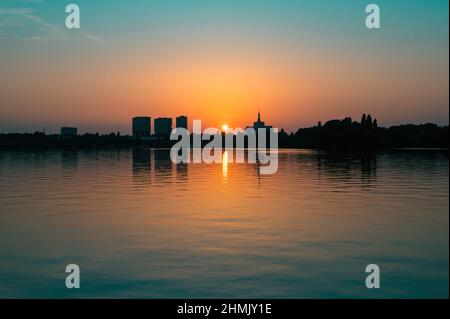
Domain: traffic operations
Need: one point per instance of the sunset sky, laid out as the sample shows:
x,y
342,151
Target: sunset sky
x,y
298,61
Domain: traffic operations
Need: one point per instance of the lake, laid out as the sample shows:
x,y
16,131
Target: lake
x,y
139,226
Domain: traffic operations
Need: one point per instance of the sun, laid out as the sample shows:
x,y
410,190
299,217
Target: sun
x,y
224,127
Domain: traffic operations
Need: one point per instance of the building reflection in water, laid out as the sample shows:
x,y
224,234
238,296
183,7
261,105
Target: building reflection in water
x,y
155,166
163,166
69,162
142,166
182,169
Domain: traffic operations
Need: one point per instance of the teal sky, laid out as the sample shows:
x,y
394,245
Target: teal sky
x,y
311,60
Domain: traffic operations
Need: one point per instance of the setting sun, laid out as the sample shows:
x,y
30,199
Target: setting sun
x,y
224,127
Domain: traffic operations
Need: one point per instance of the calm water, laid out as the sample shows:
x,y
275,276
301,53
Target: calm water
x,y
139,226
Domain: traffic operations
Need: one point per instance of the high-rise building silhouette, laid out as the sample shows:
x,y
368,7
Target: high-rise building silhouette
x,y
69,131
141,126
163,126
260,124
182,122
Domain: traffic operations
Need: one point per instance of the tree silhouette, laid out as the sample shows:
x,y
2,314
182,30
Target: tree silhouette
x,y
369,121
375,124
363,120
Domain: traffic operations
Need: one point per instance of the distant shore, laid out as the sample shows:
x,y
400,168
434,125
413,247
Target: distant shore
x,y
337,135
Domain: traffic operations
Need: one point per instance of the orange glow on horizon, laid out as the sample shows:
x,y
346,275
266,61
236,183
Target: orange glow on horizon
x,y
216,87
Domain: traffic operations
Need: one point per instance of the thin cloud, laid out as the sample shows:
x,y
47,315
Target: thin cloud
x,y
25,24
95,38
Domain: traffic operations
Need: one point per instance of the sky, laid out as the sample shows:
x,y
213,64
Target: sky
x,y
221,61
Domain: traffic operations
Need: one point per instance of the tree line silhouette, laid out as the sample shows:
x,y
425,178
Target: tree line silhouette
x,y
349,135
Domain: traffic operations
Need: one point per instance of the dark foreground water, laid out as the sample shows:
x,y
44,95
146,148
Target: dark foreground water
x,y
139,226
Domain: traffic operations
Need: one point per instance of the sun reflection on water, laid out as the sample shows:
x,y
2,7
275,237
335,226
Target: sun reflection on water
x,y
225,164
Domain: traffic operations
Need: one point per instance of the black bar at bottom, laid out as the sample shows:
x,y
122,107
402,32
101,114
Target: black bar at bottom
x,y
227,308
